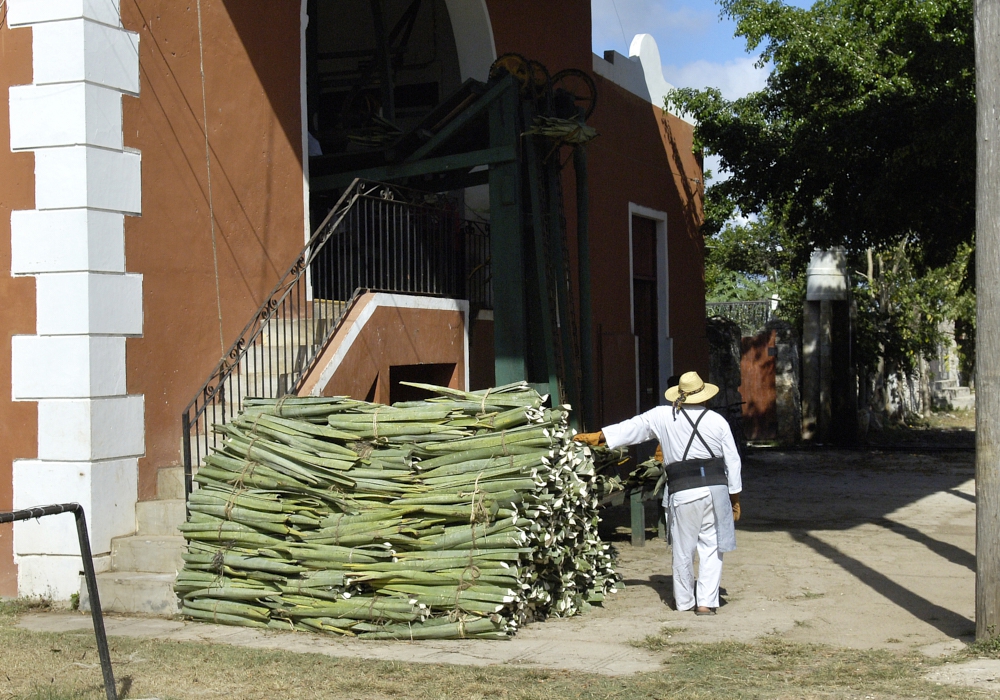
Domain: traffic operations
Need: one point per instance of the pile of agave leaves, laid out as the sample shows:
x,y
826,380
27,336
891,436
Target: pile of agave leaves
x,y
468,514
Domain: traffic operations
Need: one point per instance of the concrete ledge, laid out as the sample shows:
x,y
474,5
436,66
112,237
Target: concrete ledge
x,y
106,490
158,554
91,429
67,367
24,12
152,594
67,240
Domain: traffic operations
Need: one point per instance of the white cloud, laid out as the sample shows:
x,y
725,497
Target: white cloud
x,y
734,78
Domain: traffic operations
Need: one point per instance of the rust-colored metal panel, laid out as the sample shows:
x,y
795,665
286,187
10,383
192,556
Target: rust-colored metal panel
x,y
760,407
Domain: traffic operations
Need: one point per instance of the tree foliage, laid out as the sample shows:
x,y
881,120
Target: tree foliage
x,y
864,135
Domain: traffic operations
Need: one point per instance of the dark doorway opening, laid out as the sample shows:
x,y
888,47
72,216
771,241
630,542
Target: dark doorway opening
x,y
374,69
438,374
645,310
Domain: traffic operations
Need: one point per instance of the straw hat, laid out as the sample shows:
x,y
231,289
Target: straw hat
x,y
691,389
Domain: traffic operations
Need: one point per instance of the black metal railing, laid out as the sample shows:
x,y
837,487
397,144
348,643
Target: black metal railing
x,y
478,277
750,316
89,575
377,237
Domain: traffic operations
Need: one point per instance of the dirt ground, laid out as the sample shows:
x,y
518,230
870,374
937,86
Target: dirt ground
x,y
855,549
852,549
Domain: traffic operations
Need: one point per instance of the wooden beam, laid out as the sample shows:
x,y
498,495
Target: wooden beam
x,y
467,115
397,171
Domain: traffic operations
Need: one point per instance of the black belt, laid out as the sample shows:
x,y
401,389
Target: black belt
x,y
693,473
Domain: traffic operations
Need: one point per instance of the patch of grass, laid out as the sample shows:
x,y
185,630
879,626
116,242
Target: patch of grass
x,y
52,692
12,607
985,647
805,595
657,642
767,668
893,640
803,623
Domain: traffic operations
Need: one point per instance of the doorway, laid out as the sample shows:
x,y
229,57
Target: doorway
x,y
645,311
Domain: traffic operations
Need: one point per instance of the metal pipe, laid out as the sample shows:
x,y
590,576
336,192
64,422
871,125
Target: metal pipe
x,y
89,575
583,262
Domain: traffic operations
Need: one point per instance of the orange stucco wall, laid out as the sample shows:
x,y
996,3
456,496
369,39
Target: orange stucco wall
x,y
18,421
392,336
644,156
251,59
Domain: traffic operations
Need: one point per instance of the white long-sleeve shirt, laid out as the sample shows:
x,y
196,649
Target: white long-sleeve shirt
x,y
674,431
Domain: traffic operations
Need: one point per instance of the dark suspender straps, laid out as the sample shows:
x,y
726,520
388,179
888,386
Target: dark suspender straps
x,y
694,432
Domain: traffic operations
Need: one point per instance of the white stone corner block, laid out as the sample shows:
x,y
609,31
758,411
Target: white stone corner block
x,y
67,367
81,303
65,114
107,491
53,577
67,240
79,50
83,176
24,12
91,429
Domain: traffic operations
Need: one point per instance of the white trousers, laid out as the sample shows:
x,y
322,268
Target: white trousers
x,y
692,528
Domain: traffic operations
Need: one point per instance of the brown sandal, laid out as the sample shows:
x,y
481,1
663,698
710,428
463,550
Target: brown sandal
x,y
702,610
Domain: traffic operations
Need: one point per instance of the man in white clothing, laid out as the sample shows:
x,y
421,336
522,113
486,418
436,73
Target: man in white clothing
x,y
702,497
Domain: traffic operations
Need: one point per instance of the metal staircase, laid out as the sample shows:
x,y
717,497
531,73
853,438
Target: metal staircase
x,y
379,238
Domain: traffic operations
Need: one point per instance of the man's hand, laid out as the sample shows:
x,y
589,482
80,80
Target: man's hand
x,y
734,498
658,455
592,439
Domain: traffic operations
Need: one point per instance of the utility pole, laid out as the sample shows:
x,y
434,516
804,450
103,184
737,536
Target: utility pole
x,y
987,37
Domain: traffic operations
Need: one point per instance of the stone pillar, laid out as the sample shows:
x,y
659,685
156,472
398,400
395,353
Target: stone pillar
x,y
826,301
90,431
786,381
810,370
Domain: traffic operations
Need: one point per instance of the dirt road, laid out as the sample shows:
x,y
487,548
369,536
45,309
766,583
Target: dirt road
x,y
852,549
846,548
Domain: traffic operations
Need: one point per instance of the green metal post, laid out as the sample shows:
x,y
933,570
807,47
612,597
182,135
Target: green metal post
x,y
557,246
506,253
638,518
586,313
542,261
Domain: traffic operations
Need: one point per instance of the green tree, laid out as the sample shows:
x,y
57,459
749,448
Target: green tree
x,y
864,135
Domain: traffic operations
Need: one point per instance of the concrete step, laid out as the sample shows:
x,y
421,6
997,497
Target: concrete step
x,y
132,592
147,553
170,483
964,403
160,517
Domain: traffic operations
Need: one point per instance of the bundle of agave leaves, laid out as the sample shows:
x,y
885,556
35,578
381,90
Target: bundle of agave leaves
x,y
465,515
648,477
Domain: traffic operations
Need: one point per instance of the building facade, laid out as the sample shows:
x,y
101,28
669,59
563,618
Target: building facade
x,y
158,183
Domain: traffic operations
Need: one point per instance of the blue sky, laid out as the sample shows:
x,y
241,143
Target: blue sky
x,y
697,47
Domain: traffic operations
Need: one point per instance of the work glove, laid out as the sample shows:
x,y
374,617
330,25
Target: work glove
x,y
658,455
592,439
734,498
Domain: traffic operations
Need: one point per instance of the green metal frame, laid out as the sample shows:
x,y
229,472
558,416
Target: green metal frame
x,y
532,303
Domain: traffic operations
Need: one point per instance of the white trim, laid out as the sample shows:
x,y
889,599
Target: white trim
x,y
664,342
90,432
304,109
473,32
401,301
25,12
